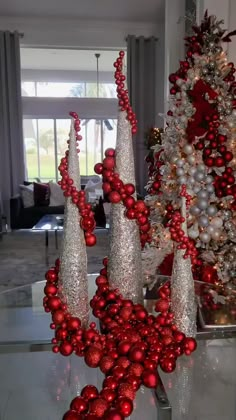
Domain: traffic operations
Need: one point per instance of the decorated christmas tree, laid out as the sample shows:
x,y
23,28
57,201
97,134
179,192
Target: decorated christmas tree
x,y
196,160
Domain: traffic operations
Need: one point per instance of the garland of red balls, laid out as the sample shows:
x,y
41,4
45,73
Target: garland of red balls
x,y
87,221
128,351
113,186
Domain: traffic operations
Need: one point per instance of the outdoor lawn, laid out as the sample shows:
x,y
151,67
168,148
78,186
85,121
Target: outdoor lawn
x,y
47,165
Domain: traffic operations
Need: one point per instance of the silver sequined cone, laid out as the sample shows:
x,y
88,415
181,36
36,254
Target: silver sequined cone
x,y
125,265
73,268
183,301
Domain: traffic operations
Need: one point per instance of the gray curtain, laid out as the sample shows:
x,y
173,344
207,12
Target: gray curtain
x,y
11,133
141,78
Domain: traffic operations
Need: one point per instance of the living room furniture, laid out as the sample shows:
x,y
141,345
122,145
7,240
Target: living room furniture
x,y
39,384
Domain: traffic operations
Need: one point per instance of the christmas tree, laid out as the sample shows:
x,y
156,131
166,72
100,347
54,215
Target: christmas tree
x,y
196,160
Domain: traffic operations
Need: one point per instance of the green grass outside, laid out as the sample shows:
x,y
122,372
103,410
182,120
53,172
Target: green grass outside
x,y
47,166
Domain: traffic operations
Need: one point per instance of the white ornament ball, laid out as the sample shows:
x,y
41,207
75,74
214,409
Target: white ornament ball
x,y
217,222
187,149
179,163
211,211
205,237
216,235
203,221
191,159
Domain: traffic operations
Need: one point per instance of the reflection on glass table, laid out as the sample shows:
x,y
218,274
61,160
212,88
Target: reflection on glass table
x,y
40,385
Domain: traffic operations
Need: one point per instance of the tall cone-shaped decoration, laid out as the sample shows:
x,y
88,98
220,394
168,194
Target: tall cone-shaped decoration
x,y
73,267
182,288
124,264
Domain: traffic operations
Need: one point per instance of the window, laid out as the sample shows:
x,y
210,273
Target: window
x,y
45,145
54,82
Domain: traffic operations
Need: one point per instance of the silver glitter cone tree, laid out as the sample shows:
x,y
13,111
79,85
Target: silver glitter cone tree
x,y
183,301
125,266
73,268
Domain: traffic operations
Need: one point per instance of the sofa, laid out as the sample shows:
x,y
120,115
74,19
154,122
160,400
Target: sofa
x,y
26,217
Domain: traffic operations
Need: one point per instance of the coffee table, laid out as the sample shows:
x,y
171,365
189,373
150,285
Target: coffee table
x,y
40,385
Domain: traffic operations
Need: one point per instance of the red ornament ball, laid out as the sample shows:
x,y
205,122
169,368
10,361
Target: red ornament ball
x,y
66,348
50,289
162,305
129,202
108,394
136,369
54,303
190,344
73,324
93,356
126,390
58,317
125,406
51,275
98,407
98,168
136,354
90,239
150,378
109,163
110,152
129,189
79,404
89,392
114,197
110,382
113,414
168,364
72,415
106,364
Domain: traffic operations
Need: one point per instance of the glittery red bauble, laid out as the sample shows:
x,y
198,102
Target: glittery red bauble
x,y
129,189
72,415
50,289
162,305
54,303
130,214
126,390
179,336
113,414
109,162
168,364
134,381
140,206
114,197
66,348
106,187
51,275
90,239
58,317
135,369
73,324
106,364
125,313
98,407
98,168
79,404
141,314
89,392
108,394
136,354
101,280
118,372
61,334
110,382
150,378
125,406
93,356
123,362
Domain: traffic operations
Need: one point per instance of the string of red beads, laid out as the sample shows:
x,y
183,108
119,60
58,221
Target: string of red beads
x,y
128,351
122,93
178,235
118,192
87,220
183,193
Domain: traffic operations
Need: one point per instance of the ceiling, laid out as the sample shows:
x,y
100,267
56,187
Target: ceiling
x,y
58,59
122,10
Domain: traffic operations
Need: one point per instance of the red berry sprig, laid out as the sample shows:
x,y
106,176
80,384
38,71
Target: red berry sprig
x,y
118,192
122,93
87,220
134,343
183,193
178,235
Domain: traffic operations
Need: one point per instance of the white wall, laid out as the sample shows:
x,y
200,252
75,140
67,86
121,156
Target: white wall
x,y
174,39
71,33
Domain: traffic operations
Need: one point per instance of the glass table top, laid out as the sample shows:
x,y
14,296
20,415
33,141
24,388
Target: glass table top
x,y
40,385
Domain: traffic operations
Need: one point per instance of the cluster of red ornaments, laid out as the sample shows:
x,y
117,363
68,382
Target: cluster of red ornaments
x,y
155,174
122,93
188,197
87,221
119,192
178,235
128,351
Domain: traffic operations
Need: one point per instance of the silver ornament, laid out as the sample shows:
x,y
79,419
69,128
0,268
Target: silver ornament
x,y
205,237
195,211
203,221
211,210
